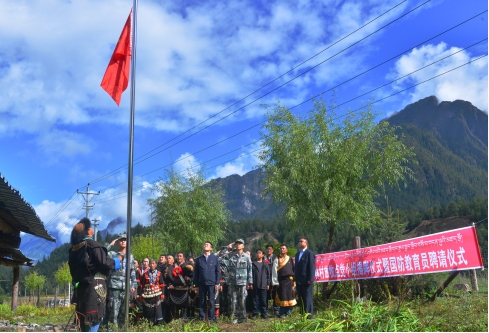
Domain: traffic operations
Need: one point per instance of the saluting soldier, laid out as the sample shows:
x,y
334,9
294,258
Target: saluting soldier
x,y
117,284
239,281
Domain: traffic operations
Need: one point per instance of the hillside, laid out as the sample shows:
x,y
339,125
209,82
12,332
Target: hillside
x,y
450,142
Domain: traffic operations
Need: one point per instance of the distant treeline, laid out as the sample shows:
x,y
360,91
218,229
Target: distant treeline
x,y
279,229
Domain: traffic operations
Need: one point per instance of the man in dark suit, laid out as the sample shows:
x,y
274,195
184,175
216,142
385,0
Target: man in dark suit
x,y
305,270
207,277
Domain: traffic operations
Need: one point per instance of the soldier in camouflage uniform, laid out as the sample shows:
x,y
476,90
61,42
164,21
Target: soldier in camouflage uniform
x,y
240,279
115,301
224,265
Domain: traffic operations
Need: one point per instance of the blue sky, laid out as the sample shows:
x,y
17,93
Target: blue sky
x,y
60,130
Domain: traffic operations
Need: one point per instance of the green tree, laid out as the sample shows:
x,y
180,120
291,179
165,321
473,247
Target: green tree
x,y
33,282
142,246
436,211
328,172
63,276
189,210
452,209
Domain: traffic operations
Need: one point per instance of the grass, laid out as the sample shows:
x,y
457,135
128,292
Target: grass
x,y
465,314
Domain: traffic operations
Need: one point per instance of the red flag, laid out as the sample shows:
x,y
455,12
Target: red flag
x,y
116,77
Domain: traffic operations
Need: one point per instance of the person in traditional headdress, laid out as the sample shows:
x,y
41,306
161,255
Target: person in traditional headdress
x,y
90,268
283,272
152,293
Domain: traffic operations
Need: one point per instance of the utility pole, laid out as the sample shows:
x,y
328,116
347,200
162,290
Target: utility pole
x,y
95,224
87,199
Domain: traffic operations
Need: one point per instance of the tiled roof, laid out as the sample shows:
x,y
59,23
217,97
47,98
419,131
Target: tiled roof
x,y
18,213
17,254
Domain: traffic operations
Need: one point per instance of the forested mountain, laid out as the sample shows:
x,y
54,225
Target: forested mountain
x,y
450,142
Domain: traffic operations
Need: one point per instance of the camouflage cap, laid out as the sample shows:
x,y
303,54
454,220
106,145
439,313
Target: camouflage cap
x,y
121,236
239,240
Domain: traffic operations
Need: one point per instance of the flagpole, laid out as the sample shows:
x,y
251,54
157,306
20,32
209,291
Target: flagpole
x,y
131,158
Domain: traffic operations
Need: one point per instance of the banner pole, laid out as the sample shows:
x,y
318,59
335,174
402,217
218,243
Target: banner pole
x,y
131,159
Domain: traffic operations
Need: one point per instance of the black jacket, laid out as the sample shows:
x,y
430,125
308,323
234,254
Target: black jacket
x,y
208,272
263,278
305,269
85,260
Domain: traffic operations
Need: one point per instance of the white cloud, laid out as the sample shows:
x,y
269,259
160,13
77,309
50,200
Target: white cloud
x,y
467,83
57,143
194,58
110,204
243,164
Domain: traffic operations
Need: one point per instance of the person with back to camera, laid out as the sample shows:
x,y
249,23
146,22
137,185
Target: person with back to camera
x,y
90,268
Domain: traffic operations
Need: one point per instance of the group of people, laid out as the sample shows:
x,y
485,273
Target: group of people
x,y
226,282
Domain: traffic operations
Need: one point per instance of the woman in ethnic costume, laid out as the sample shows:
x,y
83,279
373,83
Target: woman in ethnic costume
x,y
152,293
90,268
283,276
179,281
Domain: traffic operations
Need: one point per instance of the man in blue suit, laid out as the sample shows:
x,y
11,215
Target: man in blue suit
x,y
305,270
207,277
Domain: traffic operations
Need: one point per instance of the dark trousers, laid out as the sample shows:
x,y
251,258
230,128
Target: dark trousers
x,y
259,299
271,296
305,298
207,292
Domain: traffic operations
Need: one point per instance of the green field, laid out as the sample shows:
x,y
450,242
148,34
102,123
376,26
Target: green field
x,y
460,312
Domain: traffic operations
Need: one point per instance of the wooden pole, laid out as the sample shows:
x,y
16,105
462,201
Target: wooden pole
x,y
444,285
38,295
47,303
355,244
473,280
56,296
15,289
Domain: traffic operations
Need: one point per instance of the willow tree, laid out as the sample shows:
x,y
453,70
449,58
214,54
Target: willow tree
x,y
189,210
327,169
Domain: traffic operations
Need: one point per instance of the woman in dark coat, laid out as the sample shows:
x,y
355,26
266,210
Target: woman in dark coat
x,y
90,268
152,293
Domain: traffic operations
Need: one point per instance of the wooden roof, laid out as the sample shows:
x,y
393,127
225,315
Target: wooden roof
x,y
18,213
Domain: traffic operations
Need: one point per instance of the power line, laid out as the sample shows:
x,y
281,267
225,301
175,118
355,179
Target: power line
x,y
363,95
260,123
64,233
318,94
44,242
336,118
66,204
306,71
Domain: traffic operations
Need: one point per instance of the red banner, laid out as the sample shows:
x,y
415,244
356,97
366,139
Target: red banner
x,y
445,251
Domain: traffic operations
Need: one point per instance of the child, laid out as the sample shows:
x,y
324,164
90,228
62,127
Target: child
x,y
152,293
261,282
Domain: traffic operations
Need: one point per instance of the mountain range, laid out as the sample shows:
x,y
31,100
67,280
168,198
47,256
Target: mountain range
x,y
450,142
